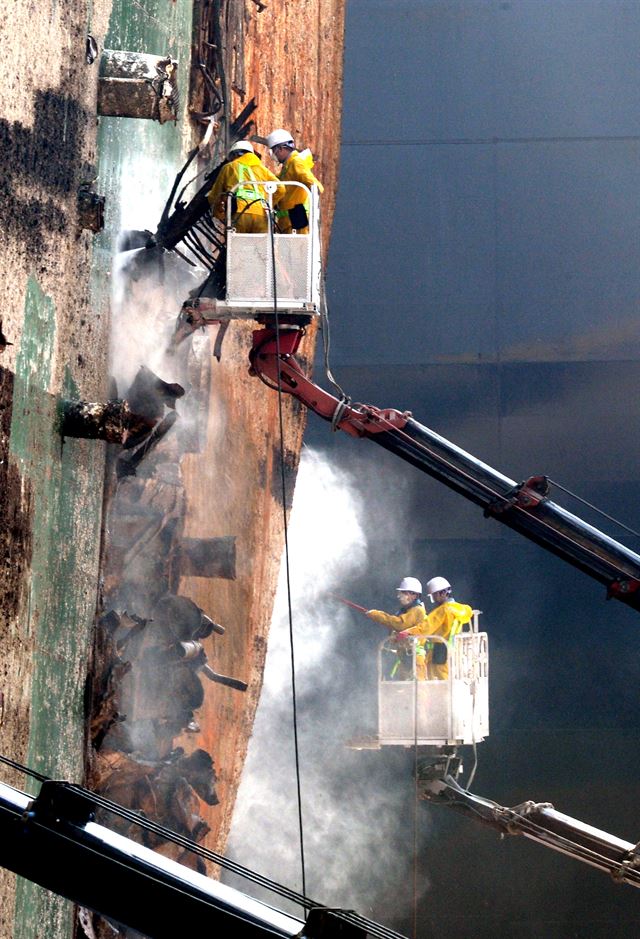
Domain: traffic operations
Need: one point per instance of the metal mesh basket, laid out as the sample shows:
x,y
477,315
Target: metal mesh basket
x,y
250,267
292,267
248,260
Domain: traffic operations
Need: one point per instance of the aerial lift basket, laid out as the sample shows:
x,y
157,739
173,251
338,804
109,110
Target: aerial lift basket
x,y
447,712
250,265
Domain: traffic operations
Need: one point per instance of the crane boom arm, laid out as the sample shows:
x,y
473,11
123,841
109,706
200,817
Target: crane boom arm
x,y
540,822
525,507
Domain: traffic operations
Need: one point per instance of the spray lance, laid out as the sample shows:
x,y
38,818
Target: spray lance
x,y
401,645
354,606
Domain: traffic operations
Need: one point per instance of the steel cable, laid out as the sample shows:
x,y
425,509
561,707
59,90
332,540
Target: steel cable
x,y
326,342
540,832
497,496
595,508
283,483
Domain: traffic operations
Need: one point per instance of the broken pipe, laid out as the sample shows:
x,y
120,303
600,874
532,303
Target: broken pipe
x,y
113,421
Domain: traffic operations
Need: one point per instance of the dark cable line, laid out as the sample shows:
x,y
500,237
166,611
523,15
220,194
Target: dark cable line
x,y
415,796
325,329
396,432
283,483
25,770
374,929
472,774
158,829
595,508
538,830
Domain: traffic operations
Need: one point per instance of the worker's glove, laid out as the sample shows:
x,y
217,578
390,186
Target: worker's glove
x,y
403,634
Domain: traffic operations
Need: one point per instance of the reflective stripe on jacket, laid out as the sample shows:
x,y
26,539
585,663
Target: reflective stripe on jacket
x,y
247,193
245,168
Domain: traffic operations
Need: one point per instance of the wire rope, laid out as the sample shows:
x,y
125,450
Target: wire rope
x,y
497,496
522,824
616,521
374,929
564,537
472,774
415,795
617,869
326,342
283,483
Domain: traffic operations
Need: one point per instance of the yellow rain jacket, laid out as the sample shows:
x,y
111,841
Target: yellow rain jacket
x,y
296,168
445,620
410,619
251,216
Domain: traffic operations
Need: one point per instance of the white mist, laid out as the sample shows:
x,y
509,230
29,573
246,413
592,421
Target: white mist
x,y
356,817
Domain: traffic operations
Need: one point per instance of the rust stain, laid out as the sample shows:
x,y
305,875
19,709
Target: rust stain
x,y
162,734
289,57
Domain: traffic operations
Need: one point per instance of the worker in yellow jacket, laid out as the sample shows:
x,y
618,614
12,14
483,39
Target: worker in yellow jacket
x,y
446,619
410,616
293,207
250,208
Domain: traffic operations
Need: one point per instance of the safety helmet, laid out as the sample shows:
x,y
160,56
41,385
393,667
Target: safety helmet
x,y
436,584
409,584
241,146
277,137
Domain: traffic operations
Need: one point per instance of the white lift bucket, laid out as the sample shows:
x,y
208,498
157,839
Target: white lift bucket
x,y
449,712
255,284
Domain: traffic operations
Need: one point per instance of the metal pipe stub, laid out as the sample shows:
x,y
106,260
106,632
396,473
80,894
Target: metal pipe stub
x,y
112,421
136,84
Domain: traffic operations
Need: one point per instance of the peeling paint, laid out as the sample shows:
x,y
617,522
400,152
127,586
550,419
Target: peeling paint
x,y
66,481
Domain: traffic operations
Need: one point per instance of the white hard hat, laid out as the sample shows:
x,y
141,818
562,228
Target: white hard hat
x,y
410,584
241,146
436,584
278,136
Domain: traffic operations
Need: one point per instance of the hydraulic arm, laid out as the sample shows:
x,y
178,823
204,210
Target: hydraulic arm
x,y
524,507
540,822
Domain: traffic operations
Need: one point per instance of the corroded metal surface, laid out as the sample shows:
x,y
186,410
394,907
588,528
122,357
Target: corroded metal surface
x,y
289,56
229,488
134,84
112,421
243,426
51,495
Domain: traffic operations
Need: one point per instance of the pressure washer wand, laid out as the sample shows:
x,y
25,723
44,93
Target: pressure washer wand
x,y
354,606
